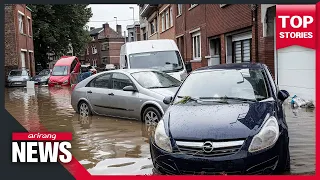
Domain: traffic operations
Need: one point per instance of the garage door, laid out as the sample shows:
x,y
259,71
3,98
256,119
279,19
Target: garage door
x,y
296,71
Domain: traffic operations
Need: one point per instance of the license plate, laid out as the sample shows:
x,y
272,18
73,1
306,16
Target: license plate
x,y
57,85
18,83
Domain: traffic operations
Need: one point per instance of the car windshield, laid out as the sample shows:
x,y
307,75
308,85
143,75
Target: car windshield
x,y
154,79
44,72
167,61
60,71
242,84
18,73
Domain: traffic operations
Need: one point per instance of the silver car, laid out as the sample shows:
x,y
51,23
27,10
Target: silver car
x,y
125,93
18,77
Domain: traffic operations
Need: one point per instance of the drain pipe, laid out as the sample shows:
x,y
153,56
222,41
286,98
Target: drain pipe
x,y
254,8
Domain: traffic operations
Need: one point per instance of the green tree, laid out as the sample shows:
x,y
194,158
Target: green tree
x,y
55,26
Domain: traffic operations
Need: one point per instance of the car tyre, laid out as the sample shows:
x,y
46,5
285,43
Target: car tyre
x,y
84,109
151,116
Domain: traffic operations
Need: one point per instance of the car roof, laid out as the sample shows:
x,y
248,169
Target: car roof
x,y
65,61
129,71
234,66
150,46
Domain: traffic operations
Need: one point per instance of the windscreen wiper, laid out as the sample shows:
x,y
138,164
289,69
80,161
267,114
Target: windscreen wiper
x,y
187,98
231,98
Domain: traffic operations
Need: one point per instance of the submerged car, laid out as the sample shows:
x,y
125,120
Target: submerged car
x,y
42,77
126,93
224,119
18,77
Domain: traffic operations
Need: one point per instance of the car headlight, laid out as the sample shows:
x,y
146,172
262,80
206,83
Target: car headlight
x,y
161,139
267,136
66,81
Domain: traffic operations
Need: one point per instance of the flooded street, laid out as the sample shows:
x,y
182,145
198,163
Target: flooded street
x,y
115,146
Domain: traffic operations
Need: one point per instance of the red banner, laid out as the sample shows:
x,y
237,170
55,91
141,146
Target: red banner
x,y
296,25
43,136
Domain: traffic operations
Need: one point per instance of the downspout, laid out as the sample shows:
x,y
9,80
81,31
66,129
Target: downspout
x,y
256,32
185,34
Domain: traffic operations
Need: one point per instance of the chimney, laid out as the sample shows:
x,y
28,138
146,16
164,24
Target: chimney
x,y
106,29
91,28
119,29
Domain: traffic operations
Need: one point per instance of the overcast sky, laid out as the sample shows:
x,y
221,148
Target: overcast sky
x,y
103,13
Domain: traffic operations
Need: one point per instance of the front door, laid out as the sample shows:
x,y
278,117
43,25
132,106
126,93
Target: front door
x,y
98,94
214,52
126,103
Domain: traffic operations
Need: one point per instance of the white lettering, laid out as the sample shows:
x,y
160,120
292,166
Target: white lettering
x,y
46,150
307,20
67,157
292,21
16,151
31,151
283,23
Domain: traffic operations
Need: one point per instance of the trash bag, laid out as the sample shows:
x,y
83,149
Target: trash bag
x,y
299,102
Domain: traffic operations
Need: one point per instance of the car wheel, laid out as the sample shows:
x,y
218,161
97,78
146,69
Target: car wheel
x,y
151,116
84,109
284,161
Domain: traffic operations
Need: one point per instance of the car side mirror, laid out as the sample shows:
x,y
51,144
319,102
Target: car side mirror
x,y
129,88
188,67
283,95
167,100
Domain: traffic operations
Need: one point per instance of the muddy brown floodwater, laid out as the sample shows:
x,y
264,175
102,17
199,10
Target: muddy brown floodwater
x,y
120,147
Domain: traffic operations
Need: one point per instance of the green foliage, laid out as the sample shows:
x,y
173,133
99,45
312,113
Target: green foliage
x,y
57,25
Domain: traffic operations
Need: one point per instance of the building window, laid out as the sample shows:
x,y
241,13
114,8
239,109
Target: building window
x,y
241,51
153,26
94,62
167,19
163,25
179,9
23,59
196,46
87,51
105,60
104,46
94,49
171,17
20,19
28,27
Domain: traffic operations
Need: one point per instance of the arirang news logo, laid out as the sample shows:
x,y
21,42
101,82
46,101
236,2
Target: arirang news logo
x,y
41,147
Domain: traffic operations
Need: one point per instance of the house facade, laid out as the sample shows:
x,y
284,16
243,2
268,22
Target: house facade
x,y
105,46
19,38
133,32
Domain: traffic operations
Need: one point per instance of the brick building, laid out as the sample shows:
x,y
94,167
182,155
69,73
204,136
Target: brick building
x,y
149,14
133,32
105,46
166,21
157,21
18,38
209,34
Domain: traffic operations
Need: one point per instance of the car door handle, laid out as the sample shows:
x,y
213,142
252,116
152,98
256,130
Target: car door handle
x,y
89,92
111,94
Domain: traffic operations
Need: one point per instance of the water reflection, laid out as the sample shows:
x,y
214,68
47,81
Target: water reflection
x,y
114,146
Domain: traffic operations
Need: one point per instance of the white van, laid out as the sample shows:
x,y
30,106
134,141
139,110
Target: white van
x,y
161,54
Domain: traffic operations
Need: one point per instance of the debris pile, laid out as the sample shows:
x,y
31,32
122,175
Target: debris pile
x,y
299,102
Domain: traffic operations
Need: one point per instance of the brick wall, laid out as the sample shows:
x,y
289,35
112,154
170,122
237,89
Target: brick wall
x,y
169,33
11,55
225,19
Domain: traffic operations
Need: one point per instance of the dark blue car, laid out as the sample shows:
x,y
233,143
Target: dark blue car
x,y
224,119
